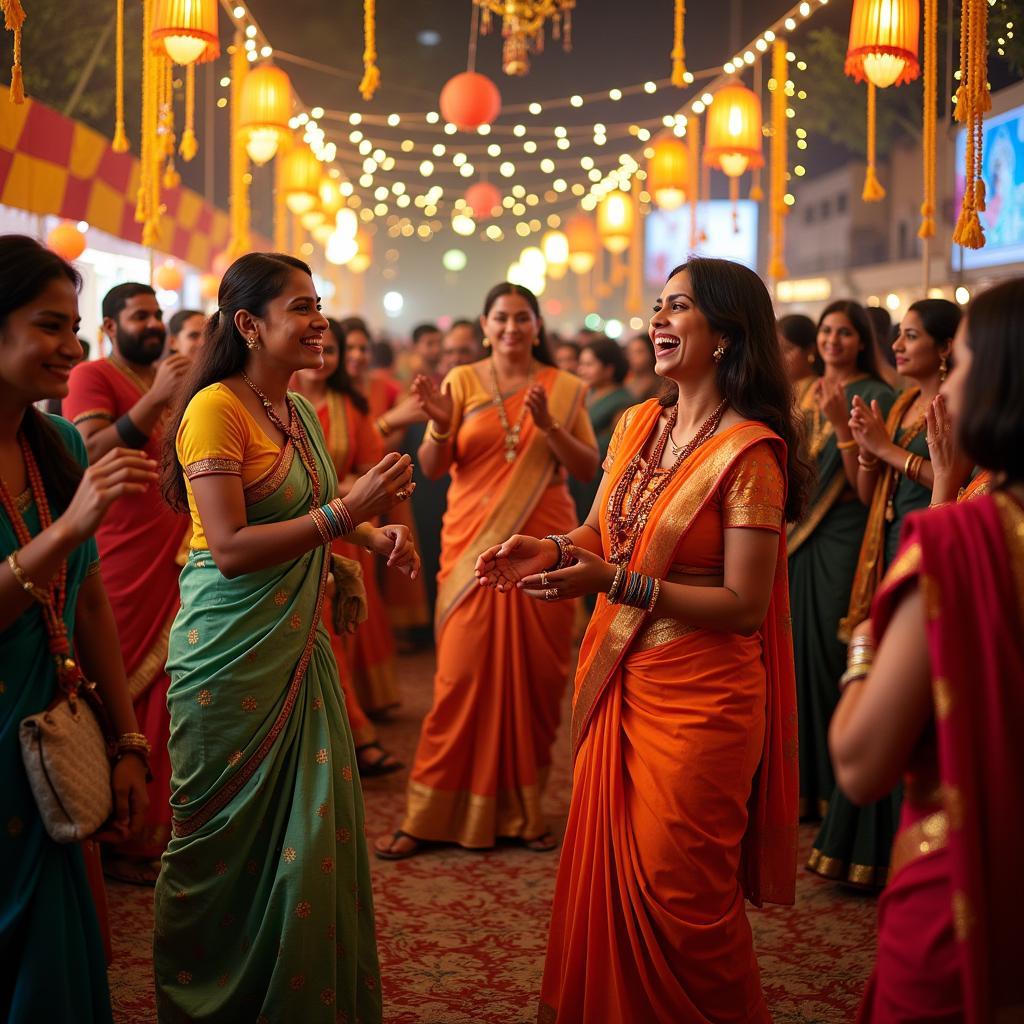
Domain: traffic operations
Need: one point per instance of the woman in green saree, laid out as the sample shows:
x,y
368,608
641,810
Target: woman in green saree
x,y
263,906
823,546
51,502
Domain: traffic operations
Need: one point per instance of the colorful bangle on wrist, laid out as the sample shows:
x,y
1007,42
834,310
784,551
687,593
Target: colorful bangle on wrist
x,y
565,550
613,590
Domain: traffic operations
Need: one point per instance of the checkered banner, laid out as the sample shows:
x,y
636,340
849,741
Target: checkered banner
x,y
50,164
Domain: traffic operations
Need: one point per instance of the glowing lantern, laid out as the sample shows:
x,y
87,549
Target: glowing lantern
x,y
300,179
264,111
469,100
360,263
615,217
340,250
668,172
555,246
584,244
168,277
346,223
331,200
209,286
733,140
483,198
66,240
883,43
187,29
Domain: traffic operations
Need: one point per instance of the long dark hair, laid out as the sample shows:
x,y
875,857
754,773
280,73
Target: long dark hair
x,y
249,283
340,380
26,268
858,317
750,375
542,350
799,330
992,422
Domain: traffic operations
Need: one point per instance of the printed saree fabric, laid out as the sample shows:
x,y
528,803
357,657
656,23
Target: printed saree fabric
x,y
951,914
139,541
502,659
823,550
684,794
51,952
264,909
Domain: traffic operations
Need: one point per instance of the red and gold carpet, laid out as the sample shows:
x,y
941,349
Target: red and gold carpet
x,y
462,935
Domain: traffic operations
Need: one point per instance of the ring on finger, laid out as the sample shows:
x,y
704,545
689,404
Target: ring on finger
x,y
551,594
544,579
402,495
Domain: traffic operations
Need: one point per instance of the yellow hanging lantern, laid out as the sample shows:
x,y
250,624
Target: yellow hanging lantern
x,y
615,216
266,108
668,172
331,199
733,135
584,244
360,263
187,29
300,177
555,246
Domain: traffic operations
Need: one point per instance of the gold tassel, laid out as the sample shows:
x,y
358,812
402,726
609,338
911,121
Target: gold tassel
x,y
14,18
734,198
777,182
189,144
979,39
371,73
873,191
756,192
975,100
120,143
678,47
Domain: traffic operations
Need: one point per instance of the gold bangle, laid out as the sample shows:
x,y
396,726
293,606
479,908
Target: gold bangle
x,y
906,465
853,675
437,437
847,446
383,426
869,465
36,593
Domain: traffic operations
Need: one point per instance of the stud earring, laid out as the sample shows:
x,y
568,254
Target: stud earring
x,y
252,342
718,353
943,367
487,342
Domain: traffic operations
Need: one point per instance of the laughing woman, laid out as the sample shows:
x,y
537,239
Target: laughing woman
x,y
263,905
684,794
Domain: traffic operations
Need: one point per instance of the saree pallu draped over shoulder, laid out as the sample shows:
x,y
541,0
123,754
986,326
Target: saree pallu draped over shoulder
x,y
684,787
264,910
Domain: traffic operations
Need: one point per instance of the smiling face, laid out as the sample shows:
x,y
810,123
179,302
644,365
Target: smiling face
x,y
684,342
291,330
138,332
838,343
511,326
917,354
39,344
357,354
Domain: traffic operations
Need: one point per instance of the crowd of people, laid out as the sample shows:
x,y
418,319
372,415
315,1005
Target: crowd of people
x,y
798,545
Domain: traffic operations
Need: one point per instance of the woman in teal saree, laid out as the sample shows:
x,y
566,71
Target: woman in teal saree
x,y
823,546
264,908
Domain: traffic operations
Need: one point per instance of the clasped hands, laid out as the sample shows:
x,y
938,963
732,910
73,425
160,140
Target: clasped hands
x,y
523,563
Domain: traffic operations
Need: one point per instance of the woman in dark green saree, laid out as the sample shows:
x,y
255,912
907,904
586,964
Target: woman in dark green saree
x,y
894,478
264,908
823,546
51,502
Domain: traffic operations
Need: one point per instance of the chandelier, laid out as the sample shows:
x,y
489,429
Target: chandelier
x,y
522,27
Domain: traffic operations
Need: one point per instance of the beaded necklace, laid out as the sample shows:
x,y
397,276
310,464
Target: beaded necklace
x,y
295,432
625,528
511,432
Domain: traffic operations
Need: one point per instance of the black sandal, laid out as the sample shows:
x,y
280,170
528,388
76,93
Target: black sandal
x,y
384,765
391,854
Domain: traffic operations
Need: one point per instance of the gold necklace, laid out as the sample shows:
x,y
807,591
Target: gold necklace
x,y
121,365
512,432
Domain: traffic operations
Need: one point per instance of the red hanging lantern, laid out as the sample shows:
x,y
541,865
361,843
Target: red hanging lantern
x,y
483,197
469,100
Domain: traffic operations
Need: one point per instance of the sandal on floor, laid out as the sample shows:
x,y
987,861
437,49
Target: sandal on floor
x,y
392,854
132,871
544,843
383,765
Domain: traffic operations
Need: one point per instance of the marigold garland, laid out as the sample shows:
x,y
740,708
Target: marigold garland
x,y
238,243
777,181
693,130
927,229
189,144
120,143
873,190
972,103
679,47
14,18
371,73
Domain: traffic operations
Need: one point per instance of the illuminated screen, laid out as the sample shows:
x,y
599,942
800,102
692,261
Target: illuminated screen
x,y
668,236
1003,172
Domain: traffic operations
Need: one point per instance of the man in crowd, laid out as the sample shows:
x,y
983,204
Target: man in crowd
x,y
460,345
185,332
426,343
123,401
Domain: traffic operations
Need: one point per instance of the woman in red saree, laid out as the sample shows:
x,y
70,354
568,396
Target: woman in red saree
x,y
684,796
940,703
508,427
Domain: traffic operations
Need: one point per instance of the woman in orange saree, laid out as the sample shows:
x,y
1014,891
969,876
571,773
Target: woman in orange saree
x,y
684,795
502,666
939,704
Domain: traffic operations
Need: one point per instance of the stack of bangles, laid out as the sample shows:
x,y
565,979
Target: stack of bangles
x,y
634,589
332,520
912,467
133,743
436,436
858,662
566,549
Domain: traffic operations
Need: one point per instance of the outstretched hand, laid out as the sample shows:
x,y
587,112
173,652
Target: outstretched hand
x,y
504,565
437,404
590,575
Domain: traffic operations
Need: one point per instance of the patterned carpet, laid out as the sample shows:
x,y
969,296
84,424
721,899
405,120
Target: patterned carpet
x,y
462,934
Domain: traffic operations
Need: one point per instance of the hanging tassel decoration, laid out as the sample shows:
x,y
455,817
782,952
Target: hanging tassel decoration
x,y
693,130
120,142
873,191
756,191
240,214
972,102
678,47
14,18
371,73
734,198
189,144
777,181
927,228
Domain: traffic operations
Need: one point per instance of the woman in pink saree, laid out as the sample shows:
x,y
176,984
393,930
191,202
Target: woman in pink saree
x,y
940,704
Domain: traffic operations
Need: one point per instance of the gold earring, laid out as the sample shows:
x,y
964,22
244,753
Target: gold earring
x,y
718,353
252,342
487,342
943,367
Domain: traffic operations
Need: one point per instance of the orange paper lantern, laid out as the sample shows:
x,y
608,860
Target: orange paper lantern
x,y
264,111
483,197
733,134
360,263
615,216
168,276
209,286
66,241
584,244
187,29
883,44
300,179
469,100
668,172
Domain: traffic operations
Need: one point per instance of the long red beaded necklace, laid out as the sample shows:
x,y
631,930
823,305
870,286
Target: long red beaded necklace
x,y
625,528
